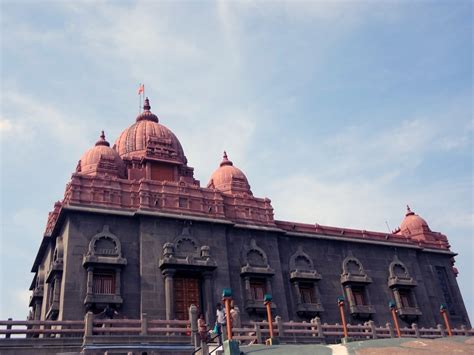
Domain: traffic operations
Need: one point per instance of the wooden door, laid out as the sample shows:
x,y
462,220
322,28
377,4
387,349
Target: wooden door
x,y
186,293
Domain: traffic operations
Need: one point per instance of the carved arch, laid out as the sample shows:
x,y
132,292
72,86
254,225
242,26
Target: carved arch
x,y
301,261
105,244
185,244
353,270
254,256
399,274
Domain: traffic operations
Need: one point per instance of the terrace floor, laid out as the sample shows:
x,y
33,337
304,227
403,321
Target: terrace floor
x,y
404,346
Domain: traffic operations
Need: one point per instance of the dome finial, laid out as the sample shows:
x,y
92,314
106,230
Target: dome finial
x,y
146,104
409,211
102,140
225,160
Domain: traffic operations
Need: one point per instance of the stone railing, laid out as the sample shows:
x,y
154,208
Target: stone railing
x,y
183,334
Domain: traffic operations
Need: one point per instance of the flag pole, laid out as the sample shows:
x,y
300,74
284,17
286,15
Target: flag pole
x,y
139,99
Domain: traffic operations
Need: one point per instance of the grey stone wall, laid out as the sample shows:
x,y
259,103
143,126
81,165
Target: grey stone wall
x,y
143,287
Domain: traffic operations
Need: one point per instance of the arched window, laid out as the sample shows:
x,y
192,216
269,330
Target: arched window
x,y
402,286
355,282
304,279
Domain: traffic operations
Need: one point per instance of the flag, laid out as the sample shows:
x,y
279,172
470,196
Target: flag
x,y
141,89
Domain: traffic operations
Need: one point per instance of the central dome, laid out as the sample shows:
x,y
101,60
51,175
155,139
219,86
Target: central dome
x,y
147,137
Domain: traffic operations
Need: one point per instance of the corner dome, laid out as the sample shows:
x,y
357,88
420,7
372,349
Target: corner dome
x,y
227,178
148,138
413,224
101,159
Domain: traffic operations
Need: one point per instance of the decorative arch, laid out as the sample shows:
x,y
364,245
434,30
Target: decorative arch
x,y
353,271
254,256
300,261
185,244
105,244
399,274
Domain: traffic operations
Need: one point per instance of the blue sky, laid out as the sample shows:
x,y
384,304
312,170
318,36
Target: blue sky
x,y
340,112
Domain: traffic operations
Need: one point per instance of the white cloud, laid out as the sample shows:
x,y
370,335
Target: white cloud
x,y
33,121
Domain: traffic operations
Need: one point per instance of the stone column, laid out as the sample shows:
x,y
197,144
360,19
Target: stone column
x,y
207,295
118,272
248,294
296,286
169,293
90,279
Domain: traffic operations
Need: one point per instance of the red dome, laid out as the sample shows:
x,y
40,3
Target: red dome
x,y
147,134
228,178
101,158
413,224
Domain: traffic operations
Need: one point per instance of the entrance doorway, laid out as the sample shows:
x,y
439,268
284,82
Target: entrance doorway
x,y
187,291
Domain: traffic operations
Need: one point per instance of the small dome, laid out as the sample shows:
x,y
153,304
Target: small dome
x,y
147,137
101,158
228,178
413,224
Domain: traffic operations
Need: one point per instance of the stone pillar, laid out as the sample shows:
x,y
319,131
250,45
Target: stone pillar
x,y
57,289
169,293
248,294
90,279
118,272
296,286
208,296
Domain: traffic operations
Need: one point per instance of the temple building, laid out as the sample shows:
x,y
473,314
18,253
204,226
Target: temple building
x,y
136,231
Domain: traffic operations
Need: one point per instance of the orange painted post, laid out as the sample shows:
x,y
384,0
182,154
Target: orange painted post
x,y
340,303
269,316
393,310
226,297
443,312
267,301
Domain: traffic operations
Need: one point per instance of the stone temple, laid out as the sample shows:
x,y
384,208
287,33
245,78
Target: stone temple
x,y
135,231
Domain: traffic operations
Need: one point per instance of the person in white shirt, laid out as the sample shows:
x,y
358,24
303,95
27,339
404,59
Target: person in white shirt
x,y
221,323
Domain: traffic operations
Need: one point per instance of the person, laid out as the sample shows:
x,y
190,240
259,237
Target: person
x,y
109,312
221,323
202,328
234,315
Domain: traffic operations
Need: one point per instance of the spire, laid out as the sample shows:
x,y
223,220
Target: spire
x,y
102,140
409,211
225,160
146,105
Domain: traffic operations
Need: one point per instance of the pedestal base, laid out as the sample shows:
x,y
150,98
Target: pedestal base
x,y
231,347
345,340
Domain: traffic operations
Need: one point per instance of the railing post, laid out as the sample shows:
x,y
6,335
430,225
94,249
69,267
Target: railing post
x,y
88,324
258,333
416,329
372,329
9,327
441,330
194,327
390,329
279,324
144,323
320,327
